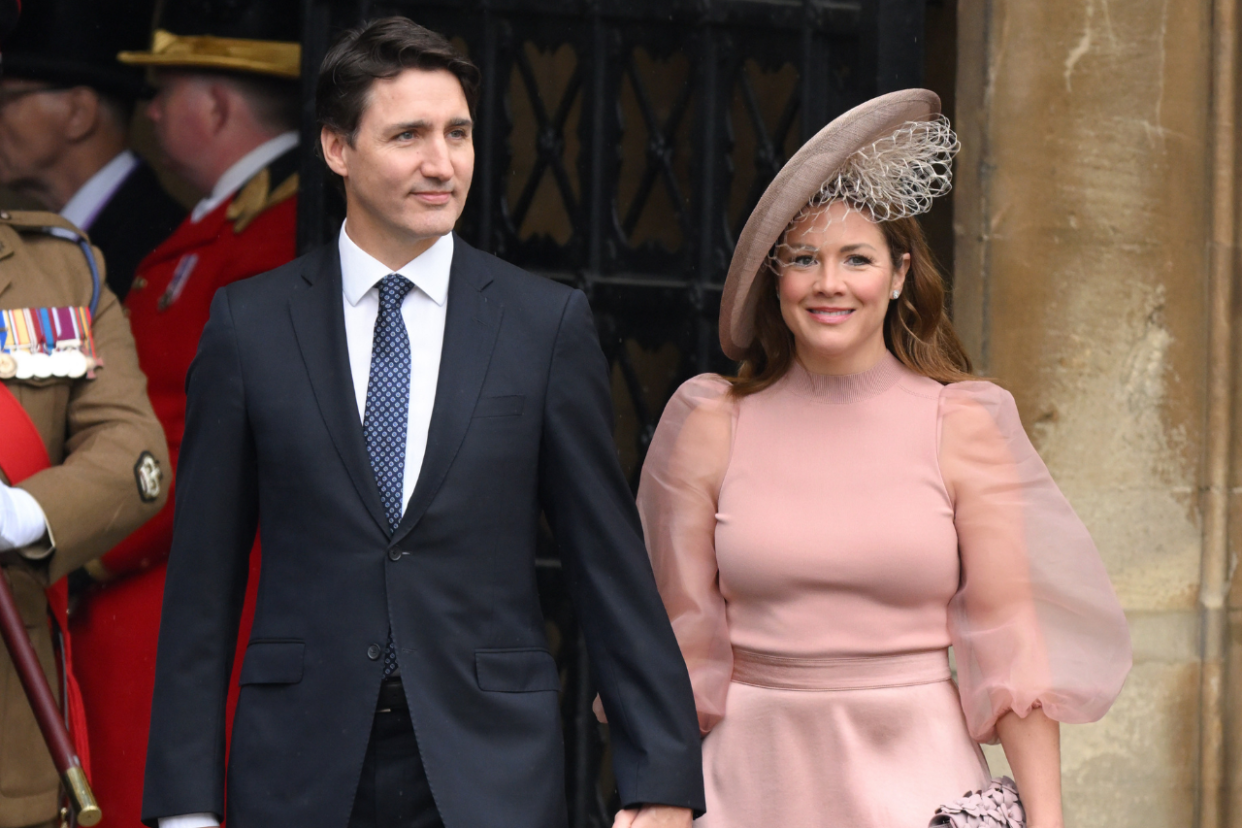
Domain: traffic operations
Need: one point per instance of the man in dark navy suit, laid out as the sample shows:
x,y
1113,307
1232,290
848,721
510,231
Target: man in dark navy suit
x,y
395,411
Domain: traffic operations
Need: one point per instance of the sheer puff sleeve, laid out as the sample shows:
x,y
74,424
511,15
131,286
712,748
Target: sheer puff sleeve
x,y
677,498
1035,621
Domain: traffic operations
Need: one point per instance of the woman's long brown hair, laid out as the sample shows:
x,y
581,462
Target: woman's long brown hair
x,y
916,328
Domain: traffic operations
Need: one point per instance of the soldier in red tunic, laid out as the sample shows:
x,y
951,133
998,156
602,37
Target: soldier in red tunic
x,y
226,118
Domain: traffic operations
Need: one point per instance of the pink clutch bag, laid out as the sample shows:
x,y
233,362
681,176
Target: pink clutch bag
x,y
996,806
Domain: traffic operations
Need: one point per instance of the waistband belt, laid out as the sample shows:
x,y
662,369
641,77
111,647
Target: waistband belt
x,y
391,697
861,673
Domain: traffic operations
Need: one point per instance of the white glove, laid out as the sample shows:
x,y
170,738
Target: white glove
x,y
22,521
189,821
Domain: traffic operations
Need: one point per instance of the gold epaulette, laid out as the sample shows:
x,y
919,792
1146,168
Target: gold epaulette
x,y
257,196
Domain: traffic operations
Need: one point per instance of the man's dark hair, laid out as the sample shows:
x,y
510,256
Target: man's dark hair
x,y
378,50
275,101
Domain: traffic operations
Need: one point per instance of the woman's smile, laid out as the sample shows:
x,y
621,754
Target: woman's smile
x,y
830,316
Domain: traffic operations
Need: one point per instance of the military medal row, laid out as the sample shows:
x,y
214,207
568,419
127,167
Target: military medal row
x,y
38,343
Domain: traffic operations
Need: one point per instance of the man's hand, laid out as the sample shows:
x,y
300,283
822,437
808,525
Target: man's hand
x,y
21,518
654,816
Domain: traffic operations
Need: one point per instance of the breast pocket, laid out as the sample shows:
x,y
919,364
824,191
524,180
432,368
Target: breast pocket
x,y
510,406
516,671
273,662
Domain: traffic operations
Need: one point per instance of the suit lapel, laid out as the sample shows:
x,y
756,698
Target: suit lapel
x,y
319,323
470,328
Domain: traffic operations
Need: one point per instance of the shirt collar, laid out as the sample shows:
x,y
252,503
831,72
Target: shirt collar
x,y
91,197
360,271
244,169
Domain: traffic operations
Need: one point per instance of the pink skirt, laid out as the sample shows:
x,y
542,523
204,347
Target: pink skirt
x,y
860,742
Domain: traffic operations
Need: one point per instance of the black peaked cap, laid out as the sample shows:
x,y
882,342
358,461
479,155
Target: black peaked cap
x,y
242,19
9,12
75,42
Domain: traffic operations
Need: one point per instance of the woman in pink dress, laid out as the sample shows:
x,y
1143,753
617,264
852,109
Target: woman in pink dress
x,y
826,525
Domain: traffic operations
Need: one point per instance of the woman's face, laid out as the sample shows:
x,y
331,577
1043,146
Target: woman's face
x,y
835,285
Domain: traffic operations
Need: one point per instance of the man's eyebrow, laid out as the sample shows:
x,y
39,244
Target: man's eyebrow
x,y
423,125
410,126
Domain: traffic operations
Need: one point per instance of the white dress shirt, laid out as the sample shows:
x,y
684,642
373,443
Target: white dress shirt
x,y
98,190
242,171
424,310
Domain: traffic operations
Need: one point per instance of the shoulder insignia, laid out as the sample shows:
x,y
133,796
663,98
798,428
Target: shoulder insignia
x,y
39,221
149,476
53,224
257,196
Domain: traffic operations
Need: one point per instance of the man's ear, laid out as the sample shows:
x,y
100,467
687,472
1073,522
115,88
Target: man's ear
x,y
220,97
333,145
83,112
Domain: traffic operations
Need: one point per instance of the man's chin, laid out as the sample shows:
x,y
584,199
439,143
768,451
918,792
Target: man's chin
x,y
423,229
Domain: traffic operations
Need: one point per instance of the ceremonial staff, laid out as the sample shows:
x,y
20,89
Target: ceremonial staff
x,y
34,682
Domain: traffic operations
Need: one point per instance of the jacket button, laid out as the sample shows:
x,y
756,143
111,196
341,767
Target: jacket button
x,y
394,554
374,652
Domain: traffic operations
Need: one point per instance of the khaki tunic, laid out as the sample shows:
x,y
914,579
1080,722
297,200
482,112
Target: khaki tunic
x,y
96,432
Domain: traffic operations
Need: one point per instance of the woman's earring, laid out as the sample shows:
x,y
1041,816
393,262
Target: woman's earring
x,y
896,293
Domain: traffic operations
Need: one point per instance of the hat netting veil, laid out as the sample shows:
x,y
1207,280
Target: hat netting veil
x,y
896,177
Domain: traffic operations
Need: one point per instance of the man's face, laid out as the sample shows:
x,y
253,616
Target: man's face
x,y
410,165
33,117
182,112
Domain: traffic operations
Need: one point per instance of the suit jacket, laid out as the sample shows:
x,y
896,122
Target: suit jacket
x,y
521,423
139,216
96,432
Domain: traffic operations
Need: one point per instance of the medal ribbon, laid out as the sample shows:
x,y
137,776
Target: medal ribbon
x,y
36,329
181,274
17,324
88,336
32,331
49,331
62,319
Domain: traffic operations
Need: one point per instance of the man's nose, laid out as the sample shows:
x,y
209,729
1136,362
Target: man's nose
x,y
436,162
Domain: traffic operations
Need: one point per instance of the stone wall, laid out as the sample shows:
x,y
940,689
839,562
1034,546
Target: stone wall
x,y
1084,213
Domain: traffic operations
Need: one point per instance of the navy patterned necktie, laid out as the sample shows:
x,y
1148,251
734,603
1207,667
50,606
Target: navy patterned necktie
x,y
387,413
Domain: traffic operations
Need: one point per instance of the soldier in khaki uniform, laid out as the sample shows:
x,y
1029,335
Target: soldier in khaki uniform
x,y
108,459
109,464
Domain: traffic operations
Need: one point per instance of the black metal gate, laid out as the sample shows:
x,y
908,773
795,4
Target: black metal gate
x,y
620,146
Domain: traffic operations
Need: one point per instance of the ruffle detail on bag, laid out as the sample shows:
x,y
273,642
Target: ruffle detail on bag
x,y
996,806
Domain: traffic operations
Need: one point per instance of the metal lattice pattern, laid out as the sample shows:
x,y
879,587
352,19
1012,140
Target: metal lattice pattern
x,y
620,147
549,143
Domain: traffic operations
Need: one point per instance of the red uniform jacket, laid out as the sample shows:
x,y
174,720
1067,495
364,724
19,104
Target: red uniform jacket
x,y
117,622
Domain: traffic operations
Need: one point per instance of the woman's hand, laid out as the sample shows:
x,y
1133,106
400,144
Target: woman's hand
x,y
654,816
1033,748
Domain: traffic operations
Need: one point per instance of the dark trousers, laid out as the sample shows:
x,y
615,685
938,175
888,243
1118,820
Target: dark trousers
x,y
393,791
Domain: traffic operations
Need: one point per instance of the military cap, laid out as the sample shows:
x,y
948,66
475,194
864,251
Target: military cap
x,y
10,10
74,43
252,36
